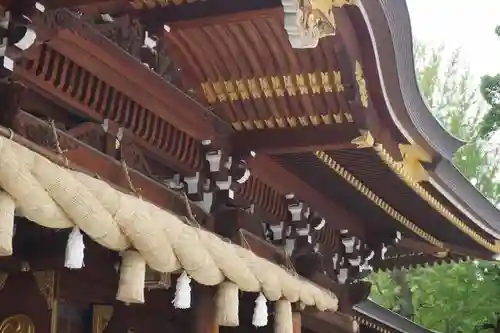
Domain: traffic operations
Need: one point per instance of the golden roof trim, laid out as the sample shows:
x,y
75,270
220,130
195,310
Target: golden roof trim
x,y
148,4
368,193
370,324
405,175
360,79
272,86
293,121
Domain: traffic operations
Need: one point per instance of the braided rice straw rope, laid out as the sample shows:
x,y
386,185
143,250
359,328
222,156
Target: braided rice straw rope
x,y
56,197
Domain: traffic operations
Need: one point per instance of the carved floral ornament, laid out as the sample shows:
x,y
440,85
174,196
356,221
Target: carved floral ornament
x,y
17,324
307,21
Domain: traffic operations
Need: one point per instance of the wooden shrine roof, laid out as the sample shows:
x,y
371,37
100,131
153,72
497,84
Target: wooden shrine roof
x,y
336,124
379,319
291,104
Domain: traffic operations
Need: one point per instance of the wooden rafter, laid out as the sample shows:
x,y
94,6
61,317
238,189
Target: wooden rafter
x,y
297,140
286,182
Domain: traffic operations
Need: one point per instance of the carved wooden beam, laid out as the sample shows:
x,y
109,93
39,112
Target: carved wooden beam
x,y
286,182
75,38
322,322
297,140
96,163
54,4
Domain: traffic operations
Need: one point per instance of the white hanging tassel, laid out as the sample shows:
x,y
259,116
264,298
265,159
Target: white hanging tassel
x,y
7,208
74,250
182,298
260,311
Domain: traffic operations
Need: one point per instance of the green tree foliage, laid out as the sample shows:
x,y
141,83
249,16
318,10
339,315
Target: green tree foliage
x,y
490,89
447,85
454,297
448,298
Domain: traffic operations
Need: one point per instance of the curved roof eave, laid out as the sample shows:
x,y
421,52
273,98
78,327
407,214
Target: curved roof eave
x,y
414,119
384,316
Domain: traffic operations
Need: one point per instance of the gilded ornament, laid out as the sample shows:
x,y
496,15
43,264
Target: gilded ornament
x,y
337,79
254,88
315,120
441,254
269,122
289,85
277,86
303,121
292,121
326,118
148,4
219,91
209,93
365,140
247,124
301,83
313,82
101,315
17,324
399,170
307,21
325,82
242,89
360,79
266,87
238,126
231,91
281,122
413,157
337,117
259,124
368,193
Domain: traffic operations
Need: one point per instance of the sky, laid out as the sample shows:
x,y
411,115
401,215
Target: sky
x,y
468,25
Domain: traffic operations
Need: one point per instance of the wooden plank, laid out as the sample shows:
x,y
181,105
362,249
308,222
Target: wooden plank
x,y
89,49
204,320
297,140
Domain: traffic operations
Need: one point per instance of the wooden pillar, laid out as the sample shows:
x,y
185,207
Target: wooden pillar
x,y
297,322
204,320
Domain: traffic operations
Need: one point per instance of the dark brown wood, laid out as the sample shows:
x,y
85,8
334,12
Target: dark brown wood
x,y
322,322
204,319
286,182
22,295
297,140
88,160
297,322
75,38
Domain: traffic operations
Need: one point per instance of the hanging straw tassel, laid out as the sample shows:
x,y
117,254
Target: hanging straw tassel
x,y
182,298
227,304
260,311
75,249
7,208
132,278
283,319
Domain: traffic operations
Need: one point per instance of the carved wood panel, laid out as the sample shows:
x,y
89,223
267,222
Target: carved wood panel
x,y
99,100
21,295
